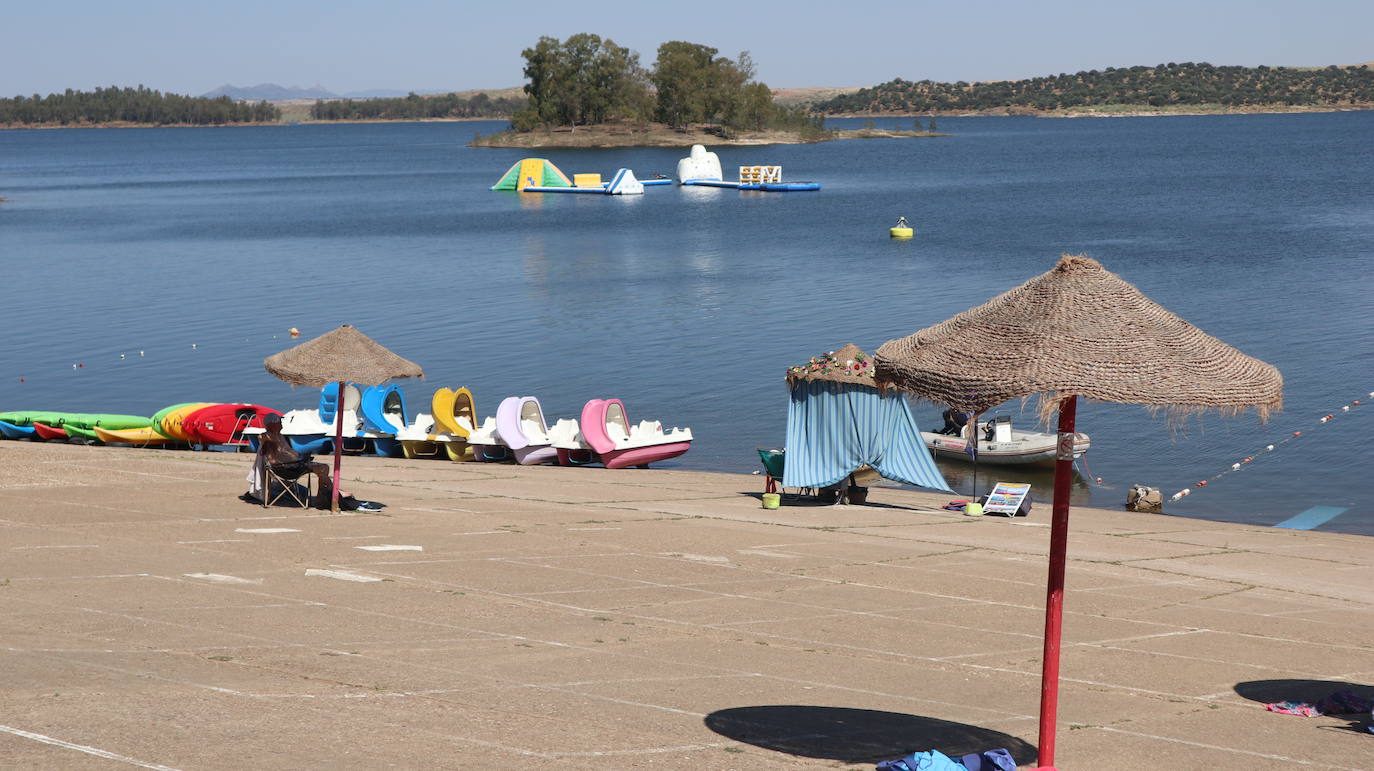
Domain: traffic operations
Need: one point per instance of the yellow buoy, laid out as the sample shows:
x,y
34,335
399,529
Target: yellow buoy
x,y
901,232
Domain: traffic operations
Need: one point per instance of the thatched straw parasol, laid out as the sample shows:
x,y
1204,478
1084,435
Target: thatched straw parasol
x,y
1078,330
343,355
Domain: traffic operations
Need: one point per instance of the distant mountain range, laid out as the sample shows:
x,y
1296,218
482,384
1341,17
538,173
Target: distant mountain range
x,y
273,92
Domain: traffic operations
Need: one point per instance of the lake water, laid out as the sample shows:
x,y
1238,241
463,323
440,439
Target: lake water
x,y
170,262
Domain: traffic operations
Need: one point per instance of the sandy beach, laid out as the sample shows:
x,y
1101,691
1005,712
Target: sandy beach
x,y
496,617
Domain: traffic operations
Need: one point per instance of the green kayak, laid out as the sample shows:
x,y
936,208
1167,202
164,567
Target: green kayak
x,y
86,420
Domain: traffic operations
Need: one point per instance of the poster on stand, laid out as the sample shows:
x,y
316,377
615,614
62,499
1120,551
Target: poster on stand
x,y
1006,498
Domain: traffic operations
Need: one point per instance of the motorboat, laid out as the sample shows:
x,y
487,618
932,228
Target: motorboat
x,y
607,429
1001,444
521,426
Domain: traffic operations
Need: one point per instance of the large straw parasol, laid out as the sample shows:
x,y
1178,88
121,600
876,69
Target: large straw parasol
x,y
341,356
1078,330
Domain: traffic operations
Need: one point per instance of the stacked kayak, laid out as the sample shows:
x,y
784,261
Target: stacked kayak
x,y
188,423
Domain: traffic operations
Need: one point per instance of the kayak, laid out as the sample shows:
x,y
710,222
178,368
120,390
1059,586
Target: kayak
x,y
11,431
156,421
136,436
172,424
46,431
77,432
221,423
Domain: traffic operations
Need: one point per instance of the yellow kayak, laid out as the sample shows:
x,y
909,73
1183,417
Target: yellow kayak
x,y
139,436
172,421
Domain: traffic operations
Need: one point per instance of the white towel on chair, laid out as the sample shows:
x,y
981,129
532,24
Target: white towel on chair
x,y
255,477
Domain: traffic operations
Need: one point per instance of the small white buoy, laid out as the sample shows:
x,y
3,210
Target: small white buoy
x,y
193,345
121,355
140,353
1268,448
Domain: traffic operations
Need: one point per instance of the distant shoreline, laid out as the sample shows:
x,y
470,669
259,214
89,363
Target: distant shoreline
x,y
1106,111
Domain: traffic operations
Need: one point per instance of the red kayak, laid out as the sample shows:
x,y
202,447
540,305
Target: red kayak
x,y
46,431
224,423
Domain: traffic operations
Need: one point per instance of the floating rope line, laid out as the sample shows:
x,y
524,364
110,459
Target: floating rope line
x,y
128,353
1267,449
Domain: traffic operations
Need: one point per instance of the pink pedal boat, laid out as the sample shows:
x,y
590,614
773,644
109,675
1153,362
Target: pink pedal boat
x,y
606,429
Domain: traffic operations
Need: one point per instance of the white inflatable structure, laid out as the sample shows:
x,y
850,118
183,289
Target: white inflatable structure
x,y
624,183
699,164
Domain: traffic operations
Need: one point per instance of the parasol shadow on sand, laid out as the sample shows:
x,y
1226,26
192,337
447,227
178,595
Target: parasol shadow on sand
x,y
1077,330
343,355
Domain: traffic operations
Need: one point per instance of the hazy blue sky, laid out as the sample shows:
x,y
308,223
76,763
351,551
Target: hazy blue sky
x,y
190,47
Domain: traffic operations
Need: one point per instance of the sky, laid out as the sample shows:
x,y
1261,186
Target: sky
x,y
427,45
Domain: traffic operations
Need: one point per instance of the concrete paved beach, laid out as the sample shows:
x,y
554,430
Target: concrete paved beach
x,y
500,617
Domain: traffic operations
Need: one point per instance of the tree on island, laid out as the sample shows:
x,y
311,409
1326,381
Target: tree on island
x,y
581,81
585,80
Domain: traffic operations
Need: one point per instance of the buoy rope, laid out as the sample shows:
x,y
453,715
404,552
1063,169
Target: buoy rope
x,y
1243,462
139,353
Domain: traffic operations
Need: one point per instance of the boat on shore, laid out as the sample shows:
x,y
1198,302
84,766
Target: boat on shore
x,y
999,444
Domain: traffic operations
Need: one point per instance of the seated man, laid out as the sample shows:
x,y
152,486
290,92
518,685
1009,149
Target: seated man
x,y
282,458
954,422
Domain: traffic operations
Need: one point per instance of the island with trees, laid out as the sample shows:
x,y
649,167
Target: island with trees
x,y
590,92
140,106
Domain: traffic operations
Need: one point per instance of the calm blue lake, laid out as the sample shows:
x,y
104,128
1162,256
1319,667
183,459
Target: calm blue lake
x,y
191,252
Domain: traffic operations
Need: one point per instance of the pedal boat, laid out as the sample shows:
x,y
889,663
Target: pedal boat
x,y
566,437
454,420
520,424
606,427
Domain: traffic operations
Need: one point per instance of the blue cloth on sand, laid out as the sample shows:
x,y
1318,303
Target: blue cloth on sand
x,y
934,760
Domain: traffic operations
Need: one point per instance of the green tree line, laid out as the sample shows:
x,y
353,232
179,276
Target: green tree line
x,y
414,107
1162,85
130,105
586,80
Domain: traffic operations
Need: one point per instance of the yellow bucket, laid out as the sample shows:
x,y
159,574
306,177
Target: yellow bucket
x,y
901,232
771,500
973,509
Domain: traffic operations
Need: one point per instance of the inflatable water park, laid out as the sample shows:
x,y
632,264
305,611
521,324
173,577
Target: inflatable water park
x,y
539,175
378,421
700,168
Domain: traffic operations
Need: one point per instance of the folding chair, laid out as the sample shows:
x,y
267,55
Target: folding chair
x,y
289,487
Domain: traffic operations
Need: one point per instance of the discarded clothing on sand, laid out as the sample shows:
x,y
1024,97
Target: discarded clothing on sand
x,y
933,760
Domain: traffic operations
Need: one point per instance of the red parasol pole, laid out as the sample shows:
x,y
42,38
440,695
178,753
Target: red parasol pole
x,y
338,447
1054,595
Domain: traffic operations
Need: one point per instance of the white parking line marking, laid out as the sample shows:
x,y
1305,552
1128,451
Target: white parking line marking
x,y
223,579
390,547
263,530
82,748
341,575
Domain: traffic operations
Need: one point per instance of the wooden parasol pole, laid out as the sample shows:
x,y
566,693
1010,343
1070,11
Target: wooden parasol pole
x,y
338,448
1054,594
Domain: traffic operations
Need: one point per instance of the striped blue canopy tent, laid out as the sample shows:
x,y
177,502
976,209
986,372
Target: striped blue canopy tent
x,y
838,422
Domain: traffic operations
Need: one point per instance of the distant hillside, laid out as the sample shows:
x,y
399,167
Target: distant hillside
x,y
1162,86
270,92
